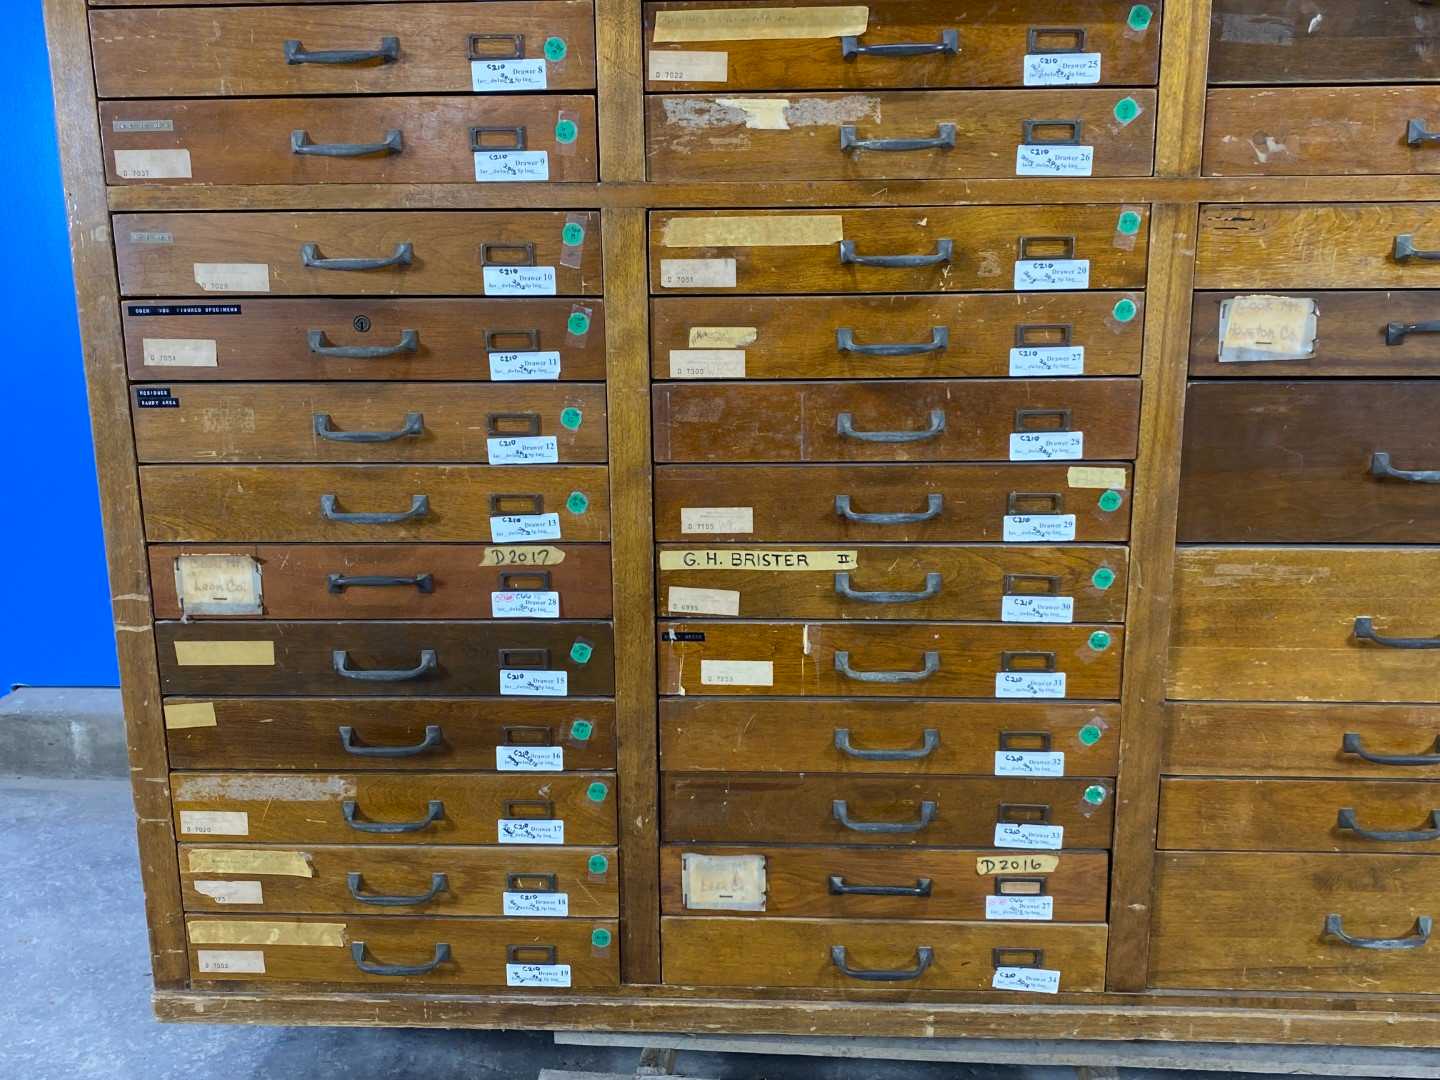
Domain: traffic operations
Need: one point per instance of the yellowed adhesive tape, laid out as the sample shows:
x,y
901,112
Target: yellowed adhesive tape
x,y
761,114
777,230
523,555
757,559
225,653
687,601
246,932
232,892
722,337
697,273
674,65
267,863
180,352
190,714
717,519
233,277
152,164
759,23
989,865
707,363
1094,476
737,673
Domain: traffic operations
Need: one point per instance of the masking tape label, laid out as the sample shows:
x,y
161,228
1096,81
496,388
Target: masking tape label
x,y
523,555
214,823
180,352
1094,476
755,24
231,961
737,673
758,559
246,932
681,66
1259,328
697,273
686,601
225,653
722,337
152,164
231,892
717,519
233,861
779,230
233,277
992,865
190,714
707,363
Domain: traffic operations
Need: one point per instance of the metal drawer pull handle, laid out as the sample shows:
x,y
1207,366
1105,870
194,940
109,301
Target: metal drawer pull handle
x,y
438,884
357,953
1345,821
931,590
939,342
338,583
845,428
324,428
1351,744
393,143
1416,135
419,507
924,956
433,738
340,662
948,45
1395,332
944,250
933,505
435,810
320,346
930,744
842,665
841,811
1380,466
1405,250
387,53
944,139
1418,937
838,887
310,257
1365,631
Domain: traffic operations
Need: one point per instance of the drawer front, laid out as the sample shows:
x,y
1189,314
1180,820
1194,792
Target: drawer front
x,y
391,581
371,422
476,952
929,737
1316,462
374,880
384,658
353,808
975,420
899,581
991,43
1289,624
204,52
351,140
932,812
950,249
801,952
986,133
905,659
882,337
446,252
885,502
479,734
401,502
365,339
1207,924
855,883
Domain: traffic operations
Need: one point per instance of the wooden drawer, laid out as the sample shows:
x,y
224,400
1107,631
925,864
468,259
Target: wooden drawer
x,y
400,252
950,248
470,952
1299,815
933,811
1304,624
886,659
894,420
828,883
437,880
1310,462
991,43
418,581
326,422
963,134
929,737
938,502
365,339
1210,934
380,658
288,502
449,733
882,337
379,140
205,52
895,581
802,952
352,808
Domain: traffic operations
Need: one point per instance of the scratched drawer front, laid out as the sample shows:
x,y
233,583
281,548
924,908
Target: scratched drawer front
x,y
899,581
370,422
936,502
1210,934
395,581
350,140
927,737
971,420
476,734
856,883
399,253
205,52
398,502
971,45
374,880
947,249
379,658
960,134
1310,462
450,952
353,808
363,339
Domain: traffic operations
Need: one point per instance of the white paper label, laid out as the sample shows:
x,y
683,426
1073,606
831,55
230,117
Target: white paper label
x,y
1048,160
525,604
1030,684
522,281
231,961
180,352
1032,274
529,759
676,65
737,673
231,892
717,519
1029,763
537,974
1020,909
533,831
707,363
1038,528
1027,980
522,450
502,166
1047,445
697,273
518,528
1048,360
522,682
687,601
1017,834
152,164
1062,69
1037,609
542,904
498,76
524,366
214,822
233,277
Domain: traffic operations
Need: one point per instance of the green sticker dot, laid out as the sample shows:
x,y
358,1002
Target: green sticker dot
x,y
1095,794
598,864
1140,17
1126,109
600,938
580,731
1129,223
1124,310
580,652
566,131
597,791
570,418
555,47
1111,500
1103,578
577,503
1090,735
573,235
579,322
1100,640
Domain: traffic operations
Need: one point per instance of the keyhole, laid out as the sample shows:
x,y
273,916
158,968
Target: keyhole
x,y
361,323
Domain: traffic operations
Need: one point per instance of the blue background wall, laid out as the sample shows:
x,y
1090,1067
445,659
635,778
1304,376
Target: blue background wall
x,y
56,603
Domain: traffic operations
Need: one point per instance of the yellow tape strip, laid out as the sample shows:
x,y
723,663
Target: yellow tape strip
x,y
227,861
757,24
190,714
811,230
243,932
225,653
1095,476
